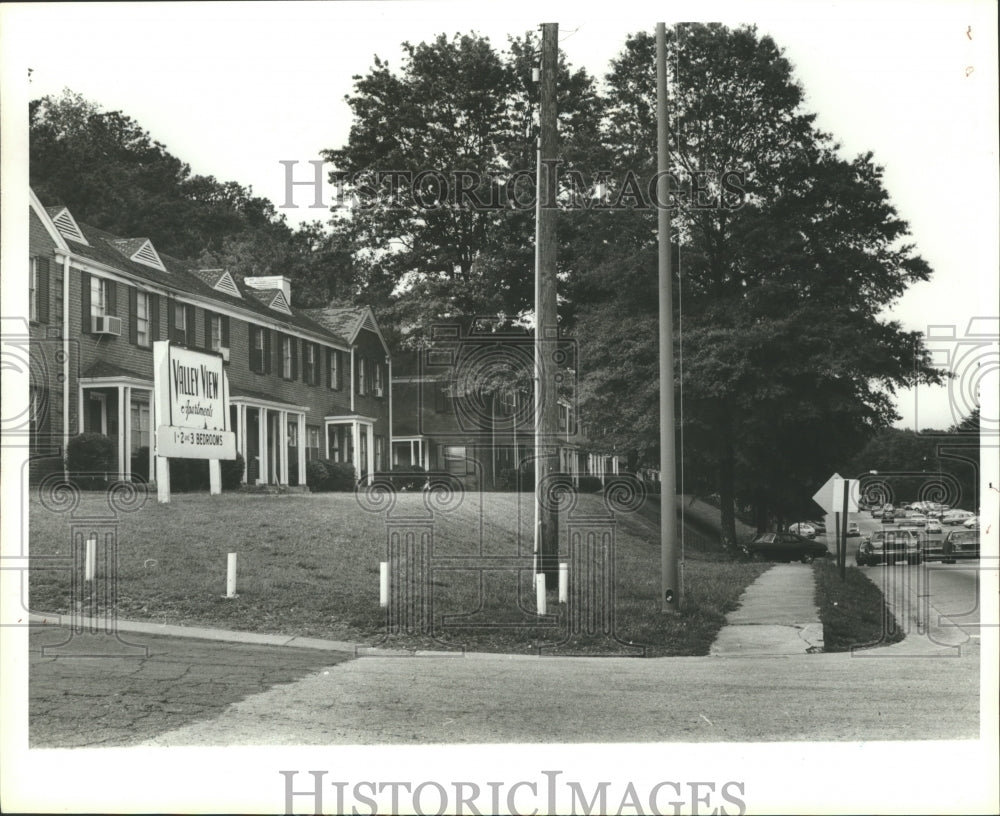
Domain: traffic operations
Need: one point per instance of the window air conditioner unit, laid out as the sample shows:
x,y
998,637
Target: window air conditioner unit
x,y
225,353
106,325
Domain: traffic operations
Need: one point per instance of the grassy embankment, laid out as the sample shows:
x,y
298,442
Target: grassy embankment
x,y
853,611
309,566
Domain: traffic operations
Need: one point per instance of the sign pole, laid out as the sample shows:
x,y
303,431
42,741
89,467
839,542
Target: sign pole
x,y
843,555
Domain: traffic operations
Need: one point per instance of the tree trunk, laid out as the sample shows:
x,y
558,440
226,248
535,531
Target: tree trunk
x,y
726,481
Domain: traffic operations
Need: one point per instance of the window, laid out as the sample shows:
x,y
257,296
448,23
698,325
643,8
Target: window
x,y
378,389
260,350
98,297
141,319
38,417
309,367
180,323
287,354
333,369
362,376
363,451
140,425
33,290
455,460
442,398
379,452
215,332
312,443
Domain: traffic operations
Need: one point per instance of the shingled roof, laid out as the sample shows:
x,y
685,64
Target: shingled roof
x,y
186,278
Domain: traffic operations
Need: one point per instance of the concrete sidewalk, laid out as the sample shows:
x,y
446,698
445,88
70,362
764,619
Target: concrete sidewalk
x,y
777,616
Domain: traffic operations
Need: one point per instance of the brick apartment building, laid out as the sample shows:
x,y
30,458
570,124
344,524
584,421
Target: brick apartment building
x,y
303,384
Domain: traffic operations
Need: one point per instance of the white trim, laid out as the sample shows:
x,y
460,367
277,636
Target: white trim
x,y
271,405
115,382
147,256
226,284
70,231
350,418
46,219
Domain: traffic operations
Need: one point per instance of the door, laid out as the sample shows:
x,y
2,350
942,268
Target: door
x,y
293,451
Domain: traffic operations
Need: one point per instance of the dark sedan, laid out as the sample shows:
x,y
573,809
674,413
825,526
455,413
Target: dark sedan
x,y
785,547
960,544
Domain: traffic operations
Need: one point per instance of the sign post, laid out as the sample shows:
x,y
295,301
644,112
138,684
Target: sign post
x,y
191,404
840,497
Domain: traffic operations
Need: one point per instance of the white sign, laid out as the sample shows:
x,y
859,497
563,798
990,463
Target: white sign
x,y
191,404
188,443
851,486
824,496
192,386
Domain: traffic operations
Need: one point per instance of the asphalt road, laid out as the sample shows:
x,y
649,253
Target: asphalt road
x,y
192,692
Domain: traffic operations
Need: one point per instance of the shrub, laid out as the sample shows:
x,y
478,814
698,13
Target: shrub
x,y
408,477
232,472
589,484
140,465
316,474
340,477
90,454
188,475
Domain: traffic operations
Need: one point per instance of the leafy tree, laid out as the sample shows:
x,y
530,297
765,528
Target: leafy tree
x,y
457,109
783,360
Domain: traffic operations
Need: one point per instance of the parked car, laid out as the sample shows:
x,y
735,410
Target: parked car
x,y
803,528
972,523
785,547
956,517
960,544
888,514
890,546
876,512
853,529
914,520
933,526
936,509
819,527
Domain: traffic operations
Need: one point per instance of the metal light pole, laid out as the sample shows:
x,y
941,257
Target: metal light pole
x,y
670,590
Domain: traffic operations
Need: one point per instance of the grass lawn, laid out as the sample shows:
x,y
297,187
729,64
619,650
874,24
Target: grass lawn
x,y
309,566
853,611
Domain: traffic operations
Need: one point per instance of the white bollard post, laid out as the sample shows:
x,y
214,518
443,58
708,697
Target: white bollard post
x,y
231,576
540,592
383,583
162,480
563,583
90,559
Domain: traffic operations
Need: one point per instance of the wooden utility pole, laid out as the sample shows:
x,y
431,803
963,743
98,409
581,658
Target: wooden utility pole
x,y
546,319
670,589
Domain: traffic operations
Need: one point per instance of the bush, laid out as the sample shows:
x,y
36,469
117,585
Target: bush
x,y
590,484
91,454
316,475
408,477
140,465
188,475
232,472
340,477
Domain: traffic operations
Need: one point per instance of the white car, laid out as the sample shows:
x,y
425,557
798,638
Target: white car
x,y
803,528
916,519
955,517
933,526
972,523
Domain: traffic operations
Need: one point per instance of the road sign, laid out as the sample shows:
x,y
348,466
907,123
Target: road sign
x,y
824,496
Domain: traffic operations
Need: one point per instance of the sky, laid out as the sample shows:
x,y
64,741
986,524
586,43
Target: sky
x,y
234,89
